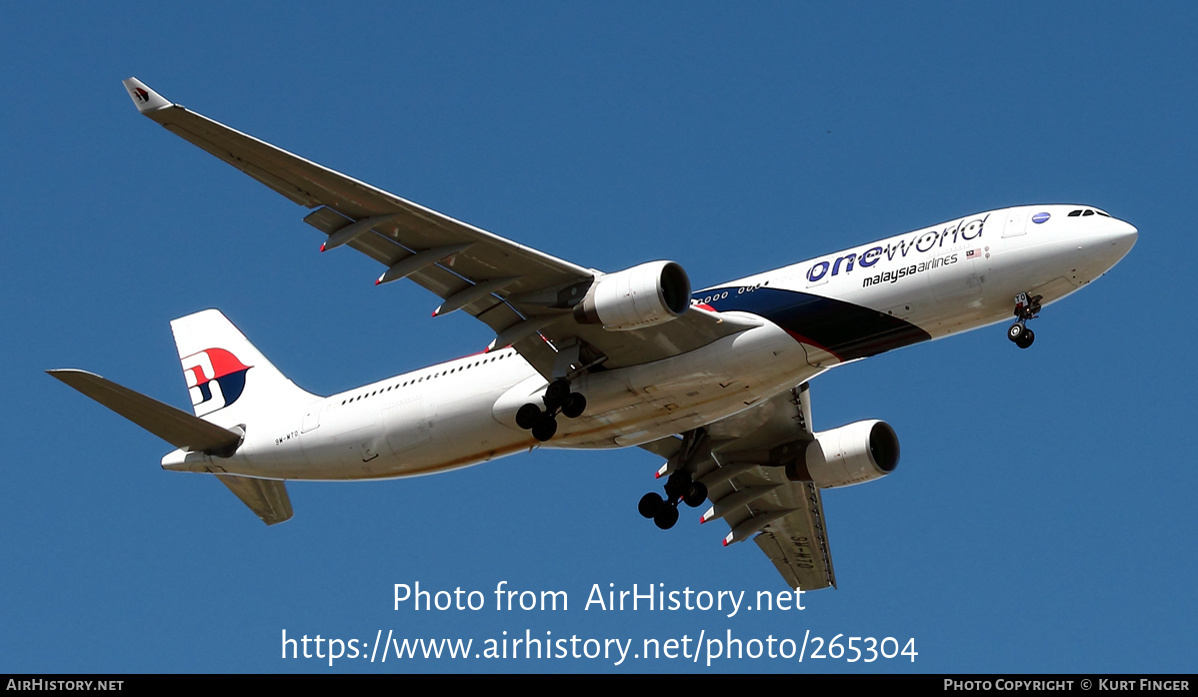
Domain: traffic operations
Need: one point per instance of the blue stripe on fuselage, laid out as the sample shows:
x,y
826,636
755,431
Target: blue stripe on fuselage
x,y
846,330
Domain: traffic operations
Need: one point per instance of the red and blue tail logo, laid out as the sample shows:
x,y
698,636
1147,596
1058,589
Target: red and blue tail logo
x,y
215,378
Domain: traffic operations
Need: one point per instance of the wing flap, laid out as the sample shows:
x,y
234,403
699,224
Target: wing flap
x,y
797,543
784,518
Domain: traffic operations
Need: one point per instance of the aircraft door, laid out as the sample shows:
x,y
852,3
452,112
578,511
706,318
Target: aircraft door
x,y
1016,222
408,424
312,418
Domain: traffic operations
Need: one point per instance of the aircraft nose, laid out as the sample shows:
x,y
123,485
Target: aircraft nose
x,y
1123,237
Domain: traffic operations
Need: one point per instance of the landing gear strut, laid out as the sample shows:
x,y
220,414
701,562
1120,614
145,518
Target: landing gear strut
x,y
558,398
1026,307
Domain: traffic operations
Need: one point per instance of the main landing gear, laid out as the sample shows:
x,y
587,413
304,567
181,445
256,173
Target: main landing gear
x,y
680,488
558,398
1025,308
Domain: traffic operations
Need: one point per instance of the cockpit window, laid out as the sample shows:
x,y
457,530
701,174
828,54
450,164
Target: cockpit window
x,y
1088,211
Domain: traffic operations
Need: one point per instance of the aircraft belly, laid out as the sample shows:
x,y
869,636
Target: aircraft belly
x,y
439,427
461,433
642,403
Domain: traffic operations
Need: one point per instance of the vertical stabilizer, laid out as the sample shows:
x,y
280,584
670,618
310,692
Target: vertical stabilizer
x,y
229,380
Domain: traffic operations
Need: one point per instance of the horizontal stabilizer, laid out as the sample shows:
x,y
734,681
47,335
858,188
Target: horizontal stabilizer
x,y
175,426
266,497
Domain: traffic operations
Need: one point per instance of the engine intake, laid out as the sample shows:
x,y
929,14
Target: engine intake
x,y
642,296
852,454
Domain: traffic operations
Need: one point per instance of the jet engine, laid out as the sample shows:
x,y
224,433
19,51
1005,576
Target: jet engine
x,y
852,454
642,296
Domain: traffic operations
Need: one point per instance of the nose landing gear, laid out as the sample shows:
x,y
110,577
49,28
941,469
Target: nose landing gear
x,y
558,398
1026,307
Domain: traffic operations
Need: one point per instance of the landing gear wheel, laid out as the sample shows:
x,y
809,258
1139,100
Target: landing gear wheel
x,y
574,406
557,393
1027,307
650,504
666,517
682,485
545,428
527,416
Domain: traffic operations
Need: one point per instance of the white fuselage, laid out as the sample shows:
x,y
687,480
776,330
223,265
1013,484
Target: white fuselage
x,y
810,316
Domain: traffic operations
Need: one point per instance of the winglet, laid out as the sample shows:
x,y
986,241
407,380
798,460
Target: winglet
x,y
146,99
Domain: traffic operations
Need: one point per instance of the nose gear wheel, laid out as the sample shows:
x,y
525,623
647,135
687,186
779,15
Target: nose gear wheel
x,y
1026,308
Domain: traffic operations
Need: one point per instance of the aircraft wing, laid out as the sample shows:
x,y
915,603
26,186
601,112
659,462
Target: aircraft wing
x,y
522,294
741,463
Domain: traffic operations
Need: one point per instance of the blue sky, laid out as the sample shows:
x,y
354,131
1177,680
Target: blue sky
x,y
1041,518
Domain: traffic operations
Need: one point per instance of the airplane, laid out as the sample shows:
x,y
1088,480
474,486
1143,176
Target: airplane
x,y
715,381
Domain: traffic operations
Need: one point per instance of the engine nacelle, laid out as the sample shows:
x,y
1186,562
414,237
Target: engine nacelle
x,y
642,296
852,454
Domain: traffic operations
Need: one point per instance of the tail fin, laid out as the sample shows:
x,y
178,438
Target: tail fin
x,y
229,379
